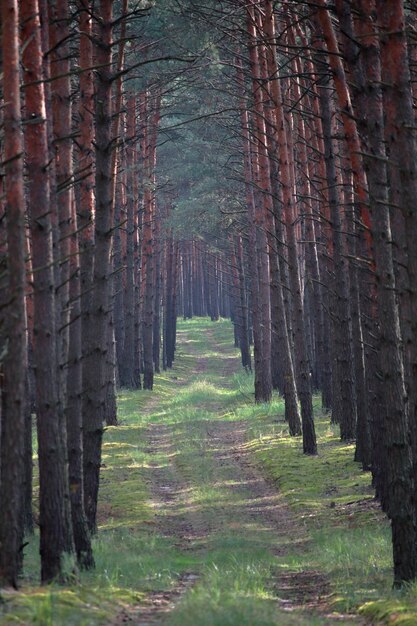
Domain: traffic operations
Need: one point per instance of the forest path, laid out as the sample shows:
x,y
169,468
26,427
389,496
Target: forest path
x,y
214,505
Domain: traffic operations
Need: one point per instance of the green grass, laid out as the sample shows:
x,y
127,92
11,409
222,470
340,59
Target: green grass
x,y
332,497
236,557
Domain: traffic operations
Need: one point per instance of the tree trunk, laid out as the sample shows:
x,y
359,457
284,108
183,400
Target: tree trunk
x,y
85,196
74,424
301,357
13,396
95,383
401,147
55,524
342,346
127,369
61,107
149,159
263,210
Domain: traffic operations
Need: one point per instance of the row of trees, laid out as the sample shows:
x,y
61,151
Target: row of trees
x,y
87,266
320,241
263,170
329,153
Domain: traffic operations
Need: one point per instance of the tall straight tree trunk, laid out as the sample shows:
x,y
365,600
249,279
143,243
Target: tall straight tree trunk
x,y
292,414
148,268
62,125
119,273
13,396
137,257
147,265
111,355
313,278
95,383
171,312
27,512
301,356
127,370
263,209
279,323
343,381
156,338
322,231
85,191
363,452
402,150
55,524
73,412
61,106
252,260
167,358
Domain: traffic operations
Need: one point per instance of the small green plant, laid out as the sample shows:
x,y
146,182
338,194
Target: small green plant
x,y
43,611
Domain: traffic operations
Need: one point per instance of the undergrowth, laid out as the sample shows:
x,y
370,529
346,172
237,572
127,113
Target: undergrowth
x,y
338,530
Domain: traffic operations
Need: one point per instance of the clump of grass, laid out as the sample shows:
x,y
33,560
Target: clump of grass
x,y
400,608
333,498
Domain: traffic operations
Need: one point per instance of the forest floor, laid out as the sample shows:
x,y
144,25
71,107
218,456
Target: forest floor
x,y
210,515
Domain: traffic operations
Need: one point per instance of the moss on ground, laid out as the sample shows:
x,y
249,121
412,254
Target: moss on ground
x,y
333,498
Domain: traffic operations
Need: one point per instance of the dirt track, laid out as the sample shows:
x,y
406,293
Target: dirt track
x,y
253,504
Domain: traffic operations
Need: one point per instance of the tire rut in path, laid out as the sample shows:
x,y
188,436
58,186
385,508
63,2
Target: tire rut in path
x,y
260,503
168,492
156,605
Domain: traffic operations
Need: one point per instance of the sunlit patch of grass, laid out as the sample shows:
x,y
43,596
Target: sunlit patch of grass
x,y
53,605
138,560
399,609
333,498
323,487
203,395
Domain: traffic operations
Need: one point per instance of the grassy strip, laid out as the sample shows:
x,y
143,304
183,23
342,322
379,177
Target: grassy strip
x,y
131,557
332,497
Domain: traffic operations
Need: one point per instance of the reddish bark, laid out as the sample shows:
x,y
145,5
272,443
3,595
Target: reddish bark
x,y
13,396
402,150
285,161
56,530
348,117
149,111
59,20
263,210
95,379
